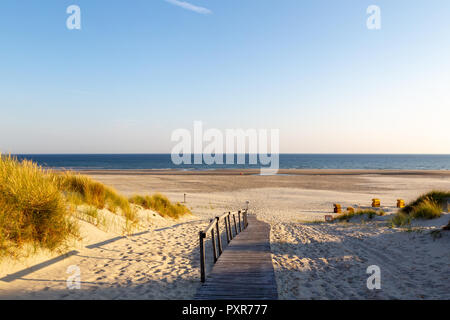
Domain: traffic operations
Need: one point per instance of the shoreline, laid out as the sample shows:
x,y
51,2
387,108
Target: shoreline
x,y
281,172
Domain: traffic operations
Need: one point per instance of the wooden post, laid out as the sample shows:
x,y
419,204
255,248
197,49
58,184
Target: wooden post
x,y
227,230
219,240
229,225
235,226
202,257
239,218
185,198
213,240
245,219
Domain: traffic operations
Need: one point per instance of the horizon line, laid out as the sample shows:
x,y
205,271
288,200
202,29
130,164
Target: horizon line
x,y
280,153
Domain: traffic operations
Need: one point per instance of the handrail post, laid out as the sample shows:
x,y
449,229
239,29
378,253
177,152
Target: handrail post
x,y
219,240
227,231
213,241
239,218
229,225
202,257
245,219
235,226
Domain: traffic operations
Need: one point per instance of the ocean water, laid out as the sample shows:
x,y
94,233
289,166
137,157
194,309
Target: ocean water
x,y
287,161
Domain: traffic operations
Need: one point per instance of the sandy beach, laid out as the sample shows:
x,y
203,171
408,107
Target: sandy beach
x,y
225,150
312,260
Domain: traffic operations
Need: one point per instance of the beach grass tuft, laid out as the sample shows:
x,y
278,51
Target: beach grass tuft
x,y
400,220
436,196
427,206
427,209
80,189
32,208
346,216
161,204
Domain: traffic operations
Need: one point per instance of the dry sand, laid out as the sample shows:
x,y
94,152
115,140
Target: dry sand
x,y
311,260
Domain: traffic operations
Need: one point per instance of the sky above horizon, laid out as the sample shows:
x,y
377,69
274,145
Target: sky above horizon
x,y
140,69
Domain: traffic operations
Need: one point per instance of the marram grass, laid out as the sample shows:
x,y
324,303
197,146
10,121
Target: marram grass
x,y
427,206
427,209
80,189
431,202
346,216
38,206
32,208
161,204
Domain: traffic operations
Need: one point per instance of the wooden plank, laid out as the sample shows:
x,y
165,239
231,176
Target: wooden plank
x,y
244,270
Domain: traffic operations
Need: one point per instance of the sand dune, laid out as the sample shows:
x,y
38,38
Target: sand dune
x,y
160,263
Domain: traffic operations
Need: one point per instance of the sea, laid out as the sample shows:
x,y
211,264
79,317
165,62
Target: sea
x,y
286,161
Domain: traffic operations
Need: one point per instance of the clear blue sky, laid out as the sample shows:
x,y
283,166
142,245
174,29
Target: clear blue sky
x,y
139,69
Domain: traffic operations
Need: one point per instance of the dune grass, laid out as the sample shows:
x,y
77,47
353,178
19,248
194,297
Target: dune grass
x,y
400,219
427,209
80,189
40,207
427,206
32,208
436,197
161,204
346,216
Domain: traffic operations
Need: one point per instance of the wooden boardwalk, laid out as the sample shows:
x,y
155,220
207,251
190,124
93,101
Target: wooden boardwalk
x,y
244,271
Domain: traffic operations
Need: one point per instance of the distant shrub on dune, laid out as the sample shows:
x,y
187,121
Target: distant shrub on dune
x,y
437,197
346,216
80,189
427,206
427,209
32,208
161,204
401,219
